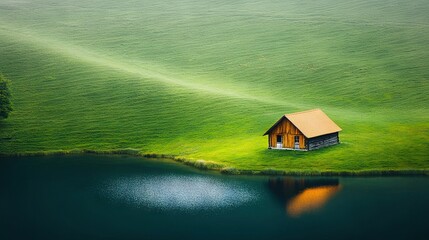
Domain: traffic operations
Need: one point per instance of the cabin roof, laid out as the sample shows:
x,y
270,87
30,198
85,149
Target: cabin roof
x,y
311,123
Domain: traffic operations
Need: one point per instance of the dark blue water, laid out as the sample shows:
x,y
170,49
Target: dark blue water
x,y
113,197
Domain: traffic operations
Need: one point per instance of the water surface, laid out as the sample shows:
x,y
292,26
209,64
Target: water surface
x,y
116,197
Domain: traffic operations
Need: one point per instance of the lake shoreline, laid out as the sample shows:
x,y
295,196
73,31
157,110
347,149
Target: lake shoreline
x,y
213,166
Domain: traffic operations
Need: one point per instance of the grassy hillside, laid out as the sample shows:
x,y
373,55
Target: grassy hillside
x,y
204,79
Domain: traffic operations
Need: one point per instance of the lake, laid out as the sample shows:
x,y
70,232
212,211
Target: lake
x,y
121,197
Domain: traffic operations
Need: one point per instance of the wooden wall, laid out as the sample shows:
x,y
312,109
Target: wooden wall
x,y
323,141
288,131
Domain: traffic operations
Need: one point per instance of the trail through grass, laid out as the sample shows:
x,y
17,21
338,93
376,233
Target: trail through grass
x,y
86,56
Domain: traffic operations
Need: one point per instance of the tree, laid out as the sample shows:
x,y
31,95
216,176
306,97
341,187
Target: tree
x,y
5,103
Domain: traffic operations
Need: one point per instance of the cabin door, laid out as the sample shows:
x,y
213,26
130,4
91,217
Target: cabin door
x,y
296,140
279,141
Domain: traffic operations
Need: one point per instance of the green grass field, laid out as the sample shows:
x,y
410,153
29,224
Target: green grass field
x,y
204,79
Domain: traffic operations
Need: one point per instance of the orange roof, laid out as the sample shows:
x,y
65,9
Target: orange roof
x,y
311,123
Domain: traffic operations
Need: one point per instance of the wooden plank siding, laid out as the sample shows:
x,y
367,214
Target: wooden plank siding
x,y
288,131
323,141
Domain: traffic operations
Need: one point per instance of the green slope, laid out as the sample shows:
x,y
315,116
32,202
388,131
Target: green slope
x,y
205,79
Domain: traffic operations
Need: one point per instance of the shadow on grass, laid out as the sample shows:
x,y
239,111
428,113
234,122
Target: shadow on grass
x,y
274,153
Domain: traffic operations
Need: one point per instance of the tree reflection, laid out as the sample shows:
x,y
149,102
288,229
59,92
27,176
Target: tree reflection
x,y
304,194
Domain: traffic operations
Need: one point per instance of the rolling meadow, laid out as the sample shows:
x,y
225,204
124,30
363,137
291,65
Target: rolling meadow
x,y
204,79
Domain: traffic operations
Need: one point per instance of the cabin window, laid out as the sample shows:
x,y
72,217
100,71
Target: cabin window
x,y
296,139
279,138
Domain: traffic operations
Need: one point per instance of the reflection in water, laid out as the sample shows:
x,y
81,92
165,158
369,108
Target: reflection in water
x,y
303,195
310,199
179,192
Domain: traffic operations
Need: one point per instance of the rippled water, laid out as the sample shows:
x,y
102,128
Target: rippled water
x,y
114,197
179,192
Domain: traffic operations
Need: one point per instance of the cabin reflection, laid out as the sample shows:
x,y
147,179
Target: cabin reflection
x,y
304,194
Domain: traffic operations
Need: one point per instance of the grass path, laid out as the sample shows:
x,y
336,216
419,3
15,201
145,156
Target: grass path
x,y
86,56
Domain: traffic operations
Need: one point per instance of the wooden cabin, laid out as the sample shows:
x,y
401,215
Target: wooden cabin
x,y
308,130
